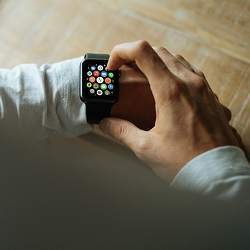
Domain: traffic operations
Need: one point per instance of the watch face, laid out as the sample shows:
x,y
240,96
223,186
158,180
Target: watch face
x,y
97,83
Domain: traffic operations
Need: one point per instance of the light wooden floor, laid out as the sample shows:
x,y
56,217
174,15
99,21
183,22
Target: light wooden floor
x,y
212,34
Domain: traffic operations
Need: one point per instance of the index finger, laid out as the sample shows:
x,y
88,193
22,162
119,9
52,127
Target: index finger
x,y
146,59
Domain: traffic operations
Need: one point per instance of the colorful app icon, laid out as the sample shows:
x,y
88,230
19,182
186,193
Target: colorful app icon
x,y
92,79
104,73
96,86
93,67
103,86
99,79
107,92
96,73
108,80
89,84
111,86
99,92
111,75
100,67
89,73
91,91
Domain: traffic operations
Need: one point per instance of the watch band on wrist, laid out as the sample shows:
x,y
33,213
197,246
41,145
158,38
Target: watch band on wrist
x,y
96,111
95,56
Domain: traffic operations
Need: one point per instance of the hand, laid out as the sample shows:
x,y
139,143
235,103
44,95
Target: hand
x,y
189,118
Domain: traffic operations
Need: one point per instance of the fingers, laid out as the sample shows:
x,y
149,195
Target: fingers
x,y
185,70
122,131
175,65
198,72
185,63
146,59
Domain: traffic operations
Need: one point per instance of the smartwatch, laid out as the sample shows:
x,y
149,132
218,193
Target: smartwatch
x,y
99,87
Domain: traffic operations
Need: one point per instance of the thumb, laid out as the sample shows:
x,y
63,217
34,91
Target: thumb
x,y
122,131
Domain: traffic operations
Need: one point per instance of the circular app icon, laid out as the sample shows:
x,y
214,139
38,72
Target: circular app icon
x,y
110,86
92,79
111,75
99,92
96,86
100,67
89,84
108,80
91,91
93,67
107,92
96,73
103,86
89,73
104,73
99,79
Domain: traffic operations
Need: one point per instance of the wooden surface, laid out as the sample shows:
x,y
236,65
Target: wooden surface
x,y
214,35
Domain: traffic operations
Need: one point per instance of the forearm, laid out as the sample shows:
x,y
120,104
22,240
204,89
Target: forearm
x,y
43,99
222,172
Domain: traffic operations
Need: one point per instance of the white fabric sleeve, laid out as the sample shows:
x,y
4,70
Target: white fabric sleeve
x,y
223,173
42,99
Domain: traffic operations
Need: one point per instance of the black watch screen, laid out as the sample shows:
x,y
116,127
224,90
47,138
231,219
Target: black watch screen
x,y
98,83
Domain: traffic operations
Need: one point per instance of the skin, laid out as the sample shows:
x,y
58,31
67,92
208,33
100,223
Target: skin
x,y
170,115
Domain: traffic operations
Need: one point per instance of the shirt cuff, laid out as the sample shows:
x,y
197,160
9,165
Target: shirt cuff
x,y
214,172
66,113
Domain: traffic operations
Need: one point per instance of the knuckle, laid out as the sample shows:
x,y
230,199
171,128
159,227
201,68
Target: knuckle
x,y
160,50
175,91
179,57
122,131
175,63
200,73
142,46
199,83
116,48
142,146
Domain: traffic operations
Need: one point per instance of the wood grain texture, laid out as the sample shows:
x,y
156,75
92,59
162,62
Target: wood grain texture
x,y
213,35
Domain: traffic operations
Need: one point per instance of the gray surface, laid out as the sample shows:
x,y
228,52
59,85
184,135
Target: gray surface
x,y
93,194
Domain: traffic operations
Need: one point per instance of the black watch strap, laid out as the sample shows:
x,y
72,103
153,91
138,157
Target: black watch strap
x,y
95,56
96,111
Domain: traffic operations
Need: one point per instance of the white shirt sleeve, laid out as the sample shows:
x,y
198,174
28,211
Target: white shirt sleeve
x,y
223,173
42,99
36,101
